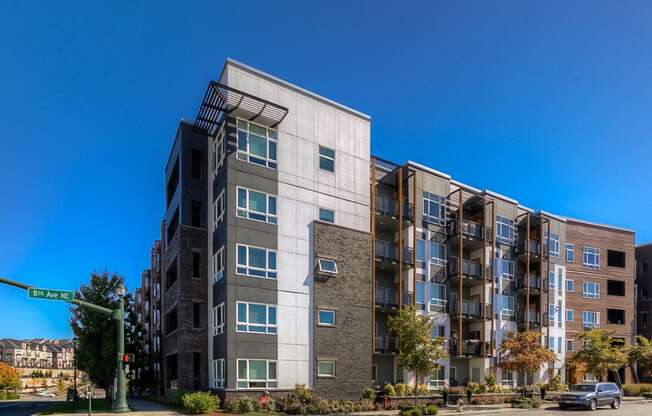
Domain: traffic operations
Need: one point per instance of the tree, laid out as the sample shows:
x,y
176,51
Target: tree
x,y
523,352
418,351
9,377
640,354
95,332
601,354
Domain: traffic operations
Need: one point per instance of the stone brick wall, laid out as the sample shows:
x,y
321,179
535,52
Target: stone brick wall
x,y
348,343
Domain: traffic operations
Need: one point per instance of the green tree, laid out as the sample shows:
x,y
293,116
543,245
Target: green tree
x,y
418,351
601,354
640,355
523,352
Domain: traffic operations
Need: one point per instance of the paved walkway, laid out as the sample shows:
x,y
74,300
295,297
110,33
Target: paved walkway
x,y
140,408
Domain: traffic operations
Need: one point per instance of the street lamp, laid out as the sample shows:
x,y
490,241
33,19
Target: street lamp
x,y
119,405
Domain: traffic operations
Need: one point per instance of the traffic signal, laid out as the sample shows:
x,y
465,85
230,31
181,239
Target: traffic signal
x,y
128,358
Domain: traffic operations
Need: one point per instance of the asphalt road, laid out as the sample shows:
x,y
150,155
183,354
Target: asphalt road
x,y
23,407
625,410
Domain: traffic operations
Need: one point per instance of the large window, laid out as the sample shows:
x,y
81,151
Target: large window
x,y
257,374
218,210
591,290
257,144
570,285
326,159
570,345
218,373
218,152
591,258
504,230
256,262
554,245
256,205
437,294
570,252
218,319
420,294
504,269
507,305
256,318
590,319
437,253
615,258
615,288
434,208
616,316
218,264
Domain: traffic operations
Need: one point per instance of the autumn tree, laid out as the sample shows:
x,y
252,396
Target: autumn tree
x,y
523,352
640,355
418,351
601,354
9,377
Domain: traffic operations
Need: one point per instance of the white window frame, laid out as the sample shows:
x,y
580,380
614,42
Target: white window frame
x,y
571,342
570,288
218,319
244,269
245,212
269,328
595,294
590,324
218,265
438,261
504,226
331,211
552,277
326,157
440,217
218,210
553,245
271,141
438,379
587,253
432,300
270,383
507,311
218,152
319,321
572,315
498,262
322,269
327,375
218,373
570,249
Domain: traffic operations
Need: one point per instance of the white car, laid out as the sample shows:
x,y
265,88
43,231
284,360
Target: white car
x,y
45,394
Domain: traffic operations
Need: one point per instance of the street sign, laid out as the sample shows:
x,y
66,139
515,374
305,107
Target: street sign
x,y
36,293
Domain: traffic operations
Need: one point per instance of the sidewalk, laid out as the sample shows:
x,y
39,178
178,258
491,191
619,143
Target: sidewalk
x,y
139,408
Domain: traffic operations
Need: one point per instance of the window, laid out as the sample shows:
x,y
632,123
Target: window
x,y
591,258
434,208
196,164
504,230
560,342
420,294
554,245
615,288
437,293
196,315
256,262
218,151
196,214
326,369
570,345
551,344
551,310
616,316
326,318
327,215
570,252
218,319
257,144
256,374
327,266
570,285
218,264
374,372
218,373
256,318
504,269
196,264
507,305
591,290
616,258
437,254
257,206
570,315
438,331
551,279
438,379
171,322
590,319
326,159
218,210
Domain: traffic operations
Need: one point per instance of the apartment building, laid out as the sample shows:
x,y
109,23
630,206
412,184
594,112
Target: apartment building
x,y
286,247
644,284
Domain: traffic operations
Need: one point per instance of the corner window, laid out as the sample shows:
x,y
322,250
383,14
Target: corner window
x,y
327,266
591,290
218,264
326,368
218,210
257,374
591,258
504,230
434,208
218,319
218,153
257,206
570,252
326,159
218,373
326,318
327,215
256,318
616,258
256,262
257,144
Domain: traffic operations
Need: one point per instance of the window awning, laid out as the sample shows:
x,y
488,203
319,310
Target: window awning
x,y
221,100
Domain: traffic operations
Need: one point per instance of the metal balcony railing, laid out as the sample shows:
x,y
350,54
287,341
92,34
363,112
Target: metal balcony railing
x,y
389,207
533,246
470,269
387,251
386,343
470,308
470,229
468,348
533,281
532,316
386,296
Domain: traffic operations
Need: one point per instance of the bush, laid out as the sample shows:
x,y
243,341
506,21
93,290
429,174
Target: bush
x,y
200,402
231,405
490,379
403,390
431,409
176,397
647,395
290,404
421,390
389,390
368,393
631,389
555,384
645,388
526,403
412,411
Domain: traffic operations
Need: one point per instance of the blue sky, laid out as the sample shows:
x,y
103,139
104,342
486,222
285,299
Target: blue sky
x,y
547,102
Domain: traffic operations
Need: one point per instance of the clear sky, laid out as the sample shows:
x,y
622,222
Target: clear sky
x,y
547,102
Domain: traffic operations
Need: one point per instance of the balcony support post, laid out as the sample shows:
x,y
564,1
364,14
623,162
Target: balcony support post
x,y
493,280
414,237
460,218
527,272
400,235
542,299
372,227
483,269
548,285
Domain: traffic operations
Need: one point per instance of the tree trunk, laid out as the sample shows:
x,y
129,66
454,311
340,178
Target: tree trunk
x,y
634,368
416,385
620,385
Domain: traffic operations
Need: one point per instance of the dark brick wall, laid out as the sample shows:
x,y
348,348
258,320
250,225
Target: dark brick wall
x,y
349,294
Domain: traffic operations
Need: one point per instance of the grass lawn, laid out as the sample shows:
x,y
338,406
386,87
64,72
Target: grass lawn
x,y
80,406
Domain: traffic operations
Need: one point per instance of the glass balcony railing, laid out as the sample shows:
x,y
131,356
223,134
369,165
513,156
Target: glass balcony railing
x,y
470,229
470,308
470,269
389,207
387,251
532,316
534,282
386,343
386,296
468,348
533,248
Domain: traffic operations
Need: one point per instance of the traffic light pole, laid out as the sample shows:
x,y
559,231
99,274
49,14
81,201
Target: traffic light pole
x,y
119,405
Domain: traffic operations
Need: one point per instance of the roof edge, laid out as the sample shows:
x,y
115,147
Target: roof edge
x,y
597,224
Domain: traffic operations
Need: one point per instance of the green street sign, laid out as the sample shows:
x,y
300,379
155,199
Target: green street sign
x,y
36,293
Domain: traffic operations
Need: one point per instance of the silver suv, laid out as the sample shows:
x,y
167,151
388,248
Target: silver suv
x,y
592,395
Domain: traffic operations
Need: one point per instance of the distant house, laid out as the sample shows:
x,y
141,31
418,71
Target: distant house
x,y
37,353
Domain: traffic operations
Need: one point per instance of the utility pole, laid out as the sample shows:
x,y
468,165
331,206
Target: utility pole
x,y
119,405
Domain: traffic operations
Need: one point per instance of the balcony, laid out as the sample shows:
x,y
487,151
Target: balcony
x,y
533,317
469,349
534,282
388,207
533,249
470,269
470,229
386,344
386,297
470,309
388,253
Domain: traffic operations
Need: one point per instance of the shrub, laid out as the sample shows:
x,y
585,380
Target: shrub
x,y
403,390
231,405
647,395
472,387
631,389
490,379
368,393
421,390
645,388
389,390
267,405
176,397
431,409
290,404
412,411
200,402
526,403
247,404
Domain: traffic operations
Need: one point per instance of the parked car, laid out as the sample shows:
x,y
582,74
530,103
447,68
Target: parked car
x,y
45,393
72,395
592,395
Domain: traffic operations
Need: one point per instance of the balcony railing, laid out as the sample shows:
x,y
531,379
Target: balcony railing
x,y
389,207
386,297
468,348
470,308
532,316
386,251
386,343
533,281
470,269
470,229
533,246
